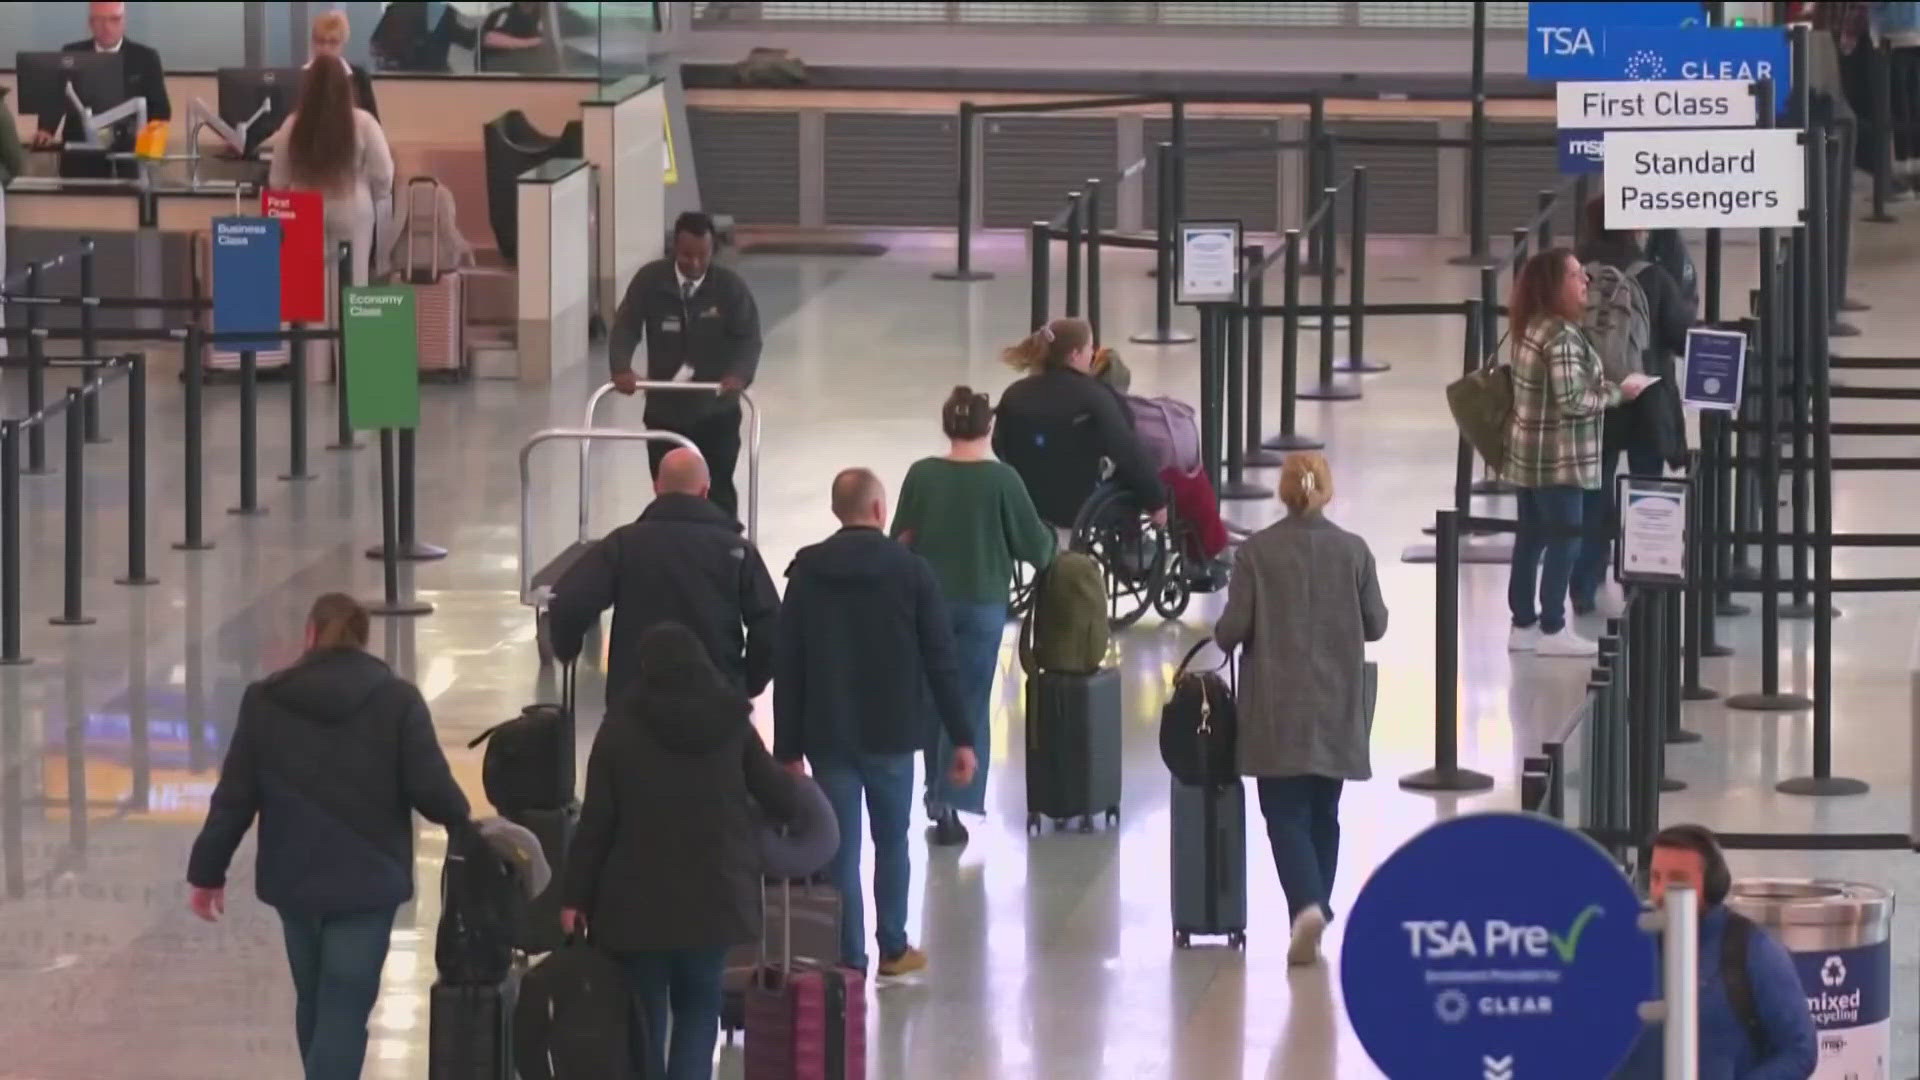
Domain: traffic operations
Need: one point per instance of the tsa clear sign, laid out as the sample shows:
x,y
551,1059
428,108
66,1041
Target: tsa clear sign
x,y
1569,41
1458,966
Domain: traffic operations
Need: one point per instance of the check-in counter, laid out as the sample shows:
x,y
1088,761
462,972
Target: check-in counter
x,y
556,276
625,129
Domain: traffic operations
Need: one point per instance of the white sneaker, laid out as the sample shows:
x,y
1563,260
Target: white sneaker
x,y
1523,639
1566,643
1607,604
1307,928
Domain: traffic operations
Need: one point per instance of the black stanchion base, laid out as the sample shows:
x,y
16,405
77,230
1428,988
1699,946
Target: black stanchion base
x,y
78,620
136,581
1803,610
346,446
1680,736
414,552
1243,490
400,608
1727,609
1287,443
1821,786
1696,693
1769,703
1329,392
1447,780
1852,304
247,511
1490,553
15,661
1881,219
1491,487
1364,367
962,275
99,440
299,477
1715,651
1743,572
1257,458
1473,258
1668,785
1154,337
45,471
1843,329
182,545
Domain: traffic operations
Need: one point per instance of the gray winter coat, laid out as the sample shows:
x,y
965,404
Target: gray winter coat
x,y
1302,603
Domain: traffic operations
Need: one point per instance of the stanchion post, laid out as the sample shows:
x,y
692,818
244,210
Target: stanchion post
x,y
1092,215
137,472
1316,173
1883,127
1840,220
1210,349
1477,147
10,515
343,427
1799,346
89,339
391,602
1289,438
1582,193
73,561
1326,389
1543,231
1039,288
296,411
963,212
1165,226
1075,208
193,361
36,376
1357,279
249,435
1446,774
1254,455
1699,589
1177,132
1234,318
1472,350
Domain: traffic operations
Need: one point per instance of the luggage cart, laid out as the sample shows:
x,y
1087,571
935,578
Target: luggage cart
x,y
752,411
536,588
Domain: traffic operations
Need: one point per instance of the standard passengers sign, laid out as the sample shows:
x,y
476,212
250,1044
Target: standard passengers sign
x,y
1598,106
1733,179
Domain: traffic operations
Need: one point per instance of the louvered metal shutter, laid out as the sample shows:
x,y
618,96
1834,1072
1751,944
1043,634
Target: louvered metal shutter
x,y
1243,185
1515,177
749,164
1031,162
1401,180
891,169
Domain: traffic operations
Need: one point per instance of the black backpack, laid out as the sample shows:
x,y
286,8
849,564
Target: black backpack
x,y
529,760
1200,725
1738,981
481,904
572,1019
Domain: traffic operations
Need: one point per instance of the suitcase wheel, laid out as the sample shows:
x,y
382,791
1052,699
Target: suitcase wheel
x,y
1113,815
1181,940
1237,940
1033,824
1086,823
1060,823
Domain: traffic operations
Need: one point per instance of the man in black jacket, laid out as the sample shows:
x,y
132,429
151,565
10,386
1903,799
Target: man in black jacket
x,y
864,637
145,78
700,325
683,561
333,755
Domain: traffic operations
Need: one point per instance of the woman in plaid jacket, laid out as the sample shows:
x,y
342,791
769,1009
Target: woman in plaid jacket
x,y
1560,396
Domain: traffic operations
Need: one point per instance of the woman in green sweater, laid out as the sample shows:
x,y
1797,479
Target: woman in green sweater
x,y
970,517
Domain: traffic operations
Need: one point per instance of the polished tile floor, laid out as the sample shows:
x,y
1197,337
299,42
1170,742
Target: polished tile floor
x,y
1051,958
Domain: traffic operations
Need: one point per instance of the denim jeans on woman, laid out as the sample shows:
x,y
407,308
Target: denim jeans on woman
x,y
684,985
1545,545
336,962
1303,827
977,630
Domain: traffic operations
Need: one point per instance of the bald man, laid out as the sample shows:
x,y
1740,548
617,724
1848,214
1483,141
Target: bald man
x,y
685,561
865,643
145,77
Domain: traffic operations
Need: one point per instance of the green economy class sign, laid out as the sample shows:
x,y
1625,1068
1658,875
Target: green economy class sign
x,y
383,357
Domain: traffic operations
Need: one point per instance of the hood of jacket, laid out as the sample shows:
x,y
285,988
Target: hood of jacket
x,y
855,559
689,509
329,685
689,720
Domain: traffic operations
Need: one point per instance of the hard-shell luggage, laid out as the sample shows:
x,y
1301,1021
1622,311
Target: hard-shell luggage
x,y
815,926
1209,836
805,1022
539,930
439,286
573,1018
1073,747
469,1030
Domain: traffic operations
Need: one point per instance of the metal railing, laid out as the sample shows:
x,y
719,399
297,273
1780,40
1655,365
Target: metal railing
x,y
752,419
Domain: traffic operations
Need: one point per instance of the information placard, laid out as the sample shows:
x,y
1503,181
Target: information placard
x,y
1715,103
1209,262
246,280
1752,178
1455,967
1714,369
1652,547
303,252
383,357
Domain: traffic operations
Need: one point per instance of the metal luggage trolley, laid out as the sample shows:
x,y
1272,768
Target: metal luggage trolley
x,y
536,587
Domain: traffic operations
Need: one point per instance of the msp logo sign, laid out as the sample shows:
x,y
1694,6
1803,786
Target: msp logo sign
x,y
1495,945
1850,995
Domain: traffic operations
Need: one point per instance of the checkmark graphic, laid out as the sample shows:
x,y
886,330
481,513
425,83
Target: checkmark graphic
x,y
1570,944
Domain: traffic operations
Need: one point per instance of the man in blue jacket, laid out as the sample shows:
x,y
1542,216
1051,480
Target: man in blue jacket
x,y
1754,1022
864,637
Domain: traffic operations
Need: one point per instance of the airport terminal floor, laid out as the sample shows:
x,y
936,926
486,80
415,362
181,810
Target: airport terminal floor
x,y
1051,957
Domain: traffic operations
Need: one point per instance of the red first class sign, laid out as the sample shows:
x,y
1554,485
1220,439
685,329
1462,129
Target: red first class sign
x,y
303,253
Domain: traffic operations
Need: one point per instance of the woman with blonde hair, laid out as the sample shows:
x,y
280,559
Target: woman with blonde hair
x,y
1302,603
331,146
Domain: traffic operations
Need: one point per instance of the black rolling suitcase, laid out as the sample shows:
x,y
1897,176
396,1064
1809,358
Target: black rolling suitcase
x,y
470,1033
1209,861
1073,748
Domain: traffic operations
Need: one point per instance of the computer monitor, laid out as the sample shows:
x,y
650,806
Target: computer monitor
x,y
244,92
98,78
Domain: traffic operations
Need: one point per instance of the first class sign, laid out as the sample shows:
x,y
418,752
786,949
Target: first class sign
x,y
1679,103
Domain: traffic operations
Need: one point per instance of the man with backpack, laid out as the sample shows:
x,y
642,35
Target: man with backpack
x,y
1754,1022
864,638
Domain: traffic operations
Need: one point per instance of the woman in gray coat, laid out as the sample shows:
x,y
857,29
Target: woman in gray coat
x,y
1302,603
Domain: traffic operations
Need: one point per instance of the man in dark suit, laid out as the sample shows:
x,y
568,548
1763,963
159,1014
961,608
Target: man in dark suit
x,y
330,34
145,77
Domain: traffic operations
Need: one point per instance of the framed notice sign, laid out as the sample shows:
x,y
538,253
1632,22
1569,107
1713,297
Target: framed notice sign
x,y
1713,370
1652,544
1209,271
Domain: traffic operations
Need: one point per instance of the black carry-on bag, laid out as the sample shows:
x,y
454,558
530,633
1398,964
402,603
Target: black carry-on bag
x,y
1198,731
553,827
1073,748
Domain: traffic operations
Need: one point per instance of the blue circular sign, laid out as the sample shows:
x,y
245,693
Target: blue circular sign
x,y
1497,947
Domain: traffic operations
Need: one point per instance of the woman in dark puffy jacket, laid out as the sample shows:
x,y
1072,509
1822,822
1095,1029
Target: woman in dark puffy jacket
x,y
666,864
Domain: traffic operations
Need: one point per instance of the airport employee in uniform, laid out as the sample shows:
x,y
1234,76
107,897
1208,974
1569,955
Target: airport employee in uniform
x,y
700,325
145,77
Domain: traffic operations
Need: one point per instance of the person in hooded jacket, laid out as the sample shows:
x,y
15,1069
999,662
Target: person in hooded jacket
x,y
1651,430
665,867
333,755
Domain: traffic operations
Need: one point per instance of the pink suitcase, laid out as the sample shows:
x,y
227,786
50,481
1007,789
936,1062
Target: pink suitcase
x,y
805,1021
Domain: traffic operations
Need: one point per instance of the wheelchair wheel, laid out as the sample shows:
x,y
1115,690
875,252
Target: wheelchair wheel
x,y
1131,550
1021,597
1173,595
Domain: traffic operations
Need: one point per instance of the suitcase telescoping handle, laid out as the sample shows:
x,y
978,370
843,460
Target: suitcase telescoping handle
x,y
413,221
786,929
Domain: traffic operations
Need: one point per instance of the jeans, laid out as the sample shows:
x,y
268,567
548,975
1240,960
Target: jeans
x,y
1598,516
886,780
336,962
977,629
717,437
1548,558
1303,826
686,984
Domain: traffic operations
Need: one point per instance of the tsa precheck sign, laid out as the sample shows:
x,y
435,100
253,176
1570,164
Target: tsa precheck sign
x,y
1456,967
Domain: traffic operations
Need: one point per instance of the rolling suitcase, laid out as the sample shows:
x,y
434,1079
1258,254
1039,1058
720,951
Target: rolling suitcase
x,y
439,293
815,926
1209,862
1073,748
470,1030
540,931
804,1021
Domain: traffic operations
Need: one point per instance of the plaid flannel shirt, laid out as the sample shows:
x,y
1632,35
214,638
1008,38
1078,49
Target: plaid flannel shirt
x,y
1560,397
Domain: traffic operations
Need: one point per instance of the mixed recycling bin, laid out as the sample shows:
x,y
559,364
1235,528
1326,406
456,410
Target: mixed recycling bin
x,y
1840,934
